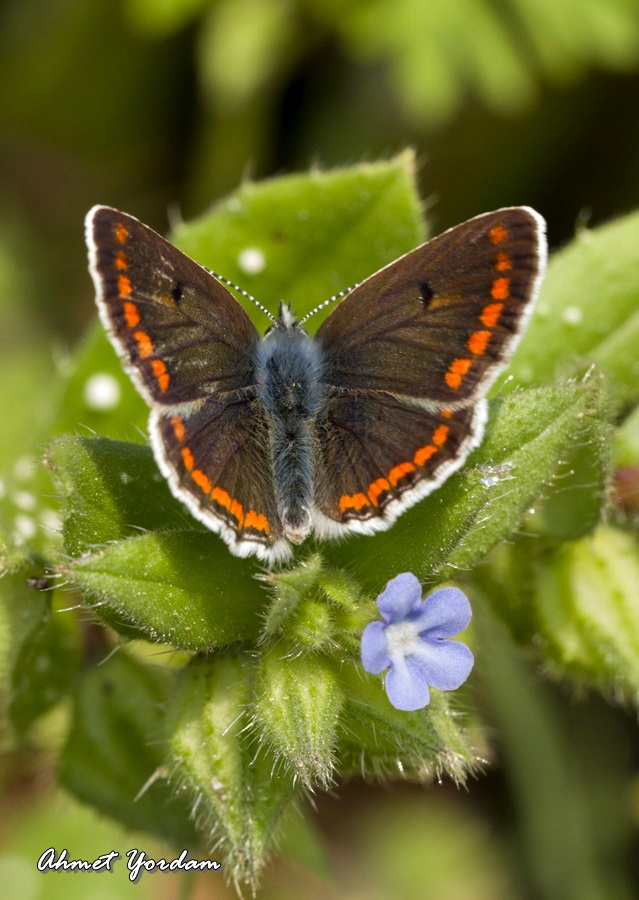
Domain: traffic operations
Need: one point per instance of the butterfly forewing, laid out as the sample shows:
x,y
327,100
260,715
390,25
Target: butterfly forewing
x,y
439,323
181,333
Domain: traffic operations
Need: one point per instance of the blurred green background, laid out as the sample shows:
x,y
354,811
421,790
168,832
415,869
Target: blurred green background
x,y
160,107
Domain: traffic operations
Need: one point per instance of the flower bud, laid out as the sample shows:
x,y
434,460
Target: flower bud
x,y
236,801
297,704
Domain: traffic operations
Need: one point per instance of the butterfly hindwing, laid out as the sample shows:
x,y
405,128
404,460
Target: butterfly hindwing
x,y
378,456
217,461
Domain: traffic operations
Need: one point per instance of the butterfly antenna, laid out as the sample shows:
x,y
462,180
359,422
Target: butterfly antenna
x,y
244,293
326,303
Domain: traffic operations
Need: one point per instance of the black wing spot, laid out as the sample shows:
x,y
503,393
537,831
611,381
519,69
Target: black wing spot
x,y
426,293
177,292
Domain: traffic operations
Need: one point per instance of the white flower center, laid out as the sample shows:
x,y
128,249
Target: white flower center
x,y
402,638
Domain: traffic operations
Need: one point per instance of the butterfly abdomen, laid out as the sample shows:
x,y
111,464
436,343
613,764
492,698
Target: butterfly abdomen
x,y
288,368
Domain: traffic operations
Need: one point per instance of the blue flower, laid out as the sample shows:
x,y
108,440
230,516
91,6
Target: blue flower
x,y
412,641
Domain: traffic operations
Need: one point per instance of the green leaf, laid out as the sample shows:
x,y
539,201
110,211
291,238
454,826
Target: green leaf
x,y
573,504
109,490
158,18
181,588
231,782
177,586
316,234
38,650
46,667
382,742
244,46
627,441
114,755
98,395
586,599
588,312
553,749
458,524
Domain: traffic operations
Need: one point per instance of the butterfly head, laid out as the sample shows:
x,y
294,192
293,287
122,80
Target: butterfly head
x,y
286,318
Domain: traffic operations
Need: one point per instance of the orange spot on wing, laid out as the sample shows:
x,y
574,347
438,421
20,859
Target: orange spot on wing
x,y
478,342
490,314
201,480
379,486
257,521
424,454
503,262
121,233
445,413
398,472
221,497
131,314
357,501
178,428
187,458
497,234
500,289
237,511
456,372
145,344
440,435
124,286
159,370
121,261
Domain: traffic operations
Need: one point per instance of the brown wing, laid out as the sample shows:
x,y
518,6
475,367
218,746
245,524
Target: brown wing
x,y
217,462
181,334
439,323
377,456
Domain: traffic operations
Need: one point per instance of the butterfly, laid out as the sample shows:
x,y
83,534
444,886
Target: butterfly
x,y
269,439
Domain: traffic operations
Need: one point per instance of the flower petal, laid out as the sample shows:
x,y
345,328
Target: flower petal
x,y
443,614
399,597
374,646
405,686
443,664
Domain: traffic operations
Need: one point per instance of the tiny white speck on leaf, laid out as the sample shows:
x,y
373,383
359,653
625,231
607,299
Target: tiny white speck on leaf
x,y
25,527
493,475
102,392
24,468
572,315
24,500
251,261
50,520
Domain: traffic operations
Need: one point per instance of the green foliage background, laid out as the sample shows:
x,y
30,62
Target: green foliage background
x,y
161,108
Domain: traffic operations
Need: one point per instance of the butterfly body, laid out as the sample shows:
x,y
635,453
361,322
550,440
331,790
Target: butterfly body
x,y
289,387
269,439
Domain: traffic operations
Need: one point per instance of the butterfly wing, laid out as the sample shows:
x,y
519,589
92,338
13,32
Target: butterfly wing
x,y
189,348
409,355
181,334
216,462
